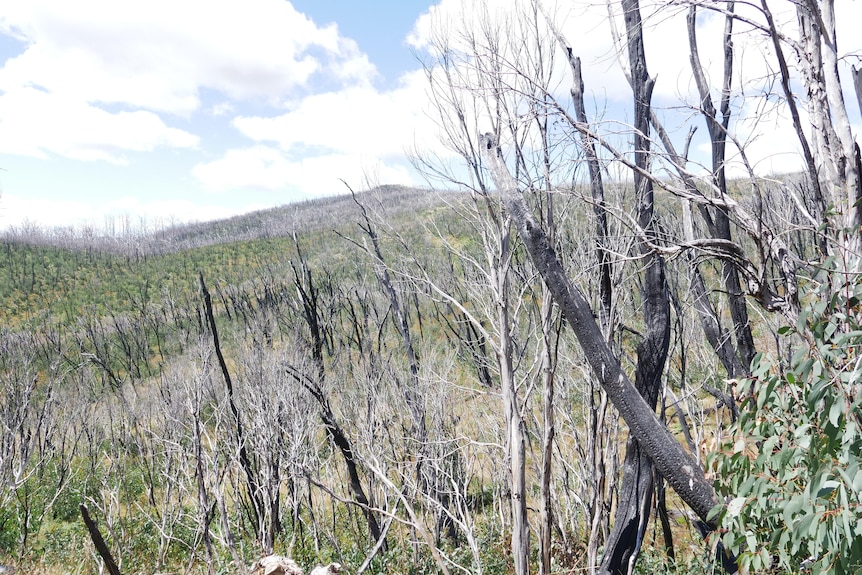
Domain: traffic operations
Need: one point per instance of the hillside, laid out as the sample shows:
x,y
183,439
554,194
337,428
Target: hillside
x,y
90,321
339,388
57,275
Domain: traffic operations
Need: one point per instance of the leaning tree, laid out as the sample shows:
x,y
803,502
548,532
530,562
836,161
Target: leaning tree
x,y
699,232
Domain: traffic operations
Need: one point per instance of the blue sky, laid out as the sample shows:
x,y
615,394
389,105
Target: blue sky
x,y
379,28
179,110
109,109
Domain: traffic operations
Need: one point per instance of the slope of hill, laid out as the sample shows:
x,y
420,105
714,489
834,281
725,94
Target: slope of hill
x,y
62,275
358,371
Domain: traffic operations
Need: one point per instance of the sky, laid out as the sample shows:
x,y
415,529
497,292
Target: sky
x,y
162,111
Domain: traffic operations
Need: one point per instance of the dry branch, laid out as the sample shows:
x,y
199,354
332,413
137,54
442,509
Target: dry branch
x,y
676,465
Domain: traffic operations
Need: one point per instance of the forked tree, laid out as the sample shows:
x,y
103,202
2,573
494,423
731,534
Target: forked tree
x,y
494,75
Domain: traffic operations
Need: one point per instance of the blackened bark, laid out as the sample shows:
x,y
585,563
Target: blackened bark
x,y
308,296
736,300
99,542
245,461
633,508
597,191
720,223
675,464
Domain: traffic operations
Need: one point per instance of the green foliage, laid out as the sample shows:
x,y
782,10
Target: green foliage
x,y
62,542
652,561
9,531
792,474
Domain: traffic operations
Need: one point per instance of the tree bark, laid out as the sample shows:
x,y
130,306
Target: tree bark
x,y
426,475
515,427
309,300
99,542
720,223
245,461
550,339
633,508
548,432
676,465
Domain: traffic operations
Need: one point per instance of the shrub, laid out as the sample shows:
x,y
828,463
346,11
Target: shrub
x,y
792,472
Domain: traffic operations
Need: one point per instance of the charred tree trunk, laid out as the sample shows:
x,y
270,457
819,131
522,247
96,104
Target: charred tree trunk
x,y
99,542
720,223
597,503
311,314
597,191
426,475
675,464
245,461
633,508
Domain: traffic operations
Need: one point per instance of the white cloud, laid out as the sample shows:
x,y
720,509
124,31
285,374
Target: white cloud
x,y
83,60
267,168
33,122
327,137
222,109
158,55
356,120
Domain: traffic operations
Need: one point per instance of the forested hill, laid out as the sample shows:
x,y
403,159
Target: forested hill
x,y
62,274
363,380
128,235
93,323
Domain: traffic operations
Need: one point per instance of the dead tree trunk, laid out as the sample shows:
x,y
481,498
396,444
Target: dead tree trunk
x,y
720,223
549,363
515,426
634,505
308,297
426,475
245,461
99,542
550,340
597,503
675,464
200,477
